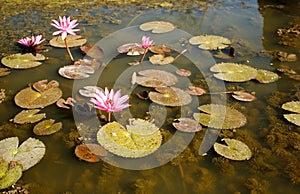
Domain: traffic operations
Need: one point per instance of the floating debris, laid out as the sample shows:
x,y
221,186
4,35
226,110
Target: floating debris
x,y
210,42
23,61
234,150
157,27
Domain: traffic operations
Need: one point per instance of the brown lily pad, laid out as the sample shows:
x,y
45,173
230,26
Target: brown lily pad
x,y
23,61
28,98
157,27
76,71
29,116
4,72
159,49
131,49
67,104
90,152
47,127
72,40
92,51
187,125
155,78
44,85
194,90
161,59
170,96
183,72
243,96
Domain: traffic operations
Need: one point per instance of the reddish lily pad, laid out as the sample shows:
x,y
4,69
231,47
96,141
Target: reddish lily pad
x,y
155,78
62,103
44,85
92,51
157,27
10,173
170,96
72,40
29,116
76,71
187,125
210,42
243,96
90,152
264,76
183,72
161,59
47,127
234,150
28,98
220,117
22,61
194,90
4,72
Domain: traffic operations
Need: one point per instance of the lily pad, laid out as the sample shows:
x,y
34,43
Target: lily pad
x,y
76,71
89,91
243,96
194,90
170,96
90,152
234,72
187,125
183,72
47,127
116,139
8,148
29,116
141,126
293,106
264,76
210,42
293,118
155,78
234,150
132,49
159,49
4,72
72,40
28,98
10,173
161,59
157,27
92,51
220,117
43,85
22,61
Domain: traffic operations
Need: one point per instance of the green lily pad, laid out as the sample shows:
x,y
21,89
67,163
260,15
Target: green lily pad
x,y
4,72
47,127
72,40
116,139
220,117
28,116
22,61
234,150
141,126
170,96
293,118
10,173
155,78
28,98
210,42
293,106
234,72
29,153
157,27
264,76
8,148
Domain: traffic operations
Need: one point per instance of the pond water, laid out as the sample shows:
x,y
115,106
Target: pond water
x,y
250,25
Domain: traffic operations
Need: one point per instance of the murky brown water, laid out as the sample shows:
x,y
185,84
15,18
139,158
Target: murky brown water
x,y
251,26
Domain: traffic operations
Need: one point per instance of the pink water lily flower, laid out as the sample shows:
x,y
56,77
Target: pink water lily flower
x,y
147,42
110,101
31,42
65,26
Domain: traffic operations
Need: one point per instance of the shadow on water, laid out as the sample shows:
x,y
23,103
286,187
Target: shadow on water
x,y
251,26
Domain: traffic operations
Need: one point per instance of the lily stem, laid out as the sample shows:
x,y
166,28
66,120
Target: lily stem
x,y
68,50
145,52
108,119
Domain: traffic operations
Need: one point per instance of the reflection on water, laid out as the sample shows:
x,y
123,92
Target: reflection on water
x,y
252,28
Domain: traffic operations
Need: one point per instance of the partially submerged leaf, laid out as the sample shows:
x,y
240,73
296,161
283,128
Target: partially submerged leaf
x,y
4,72
30,153
187,125
89,91
194,90
234,72
264,76
220,117
183,72
116,139
28,98
73,41
210,42
131,49
67,104
161,59
22,61
10,173
29,116
234,150
155,78
157,26
90,152
293,106
47,127
170,96
243,96
76,71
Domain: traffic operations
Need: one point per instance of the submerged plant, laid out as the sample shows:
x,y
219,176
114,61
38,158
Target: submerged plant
x,y
147,42
65,26
110,101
